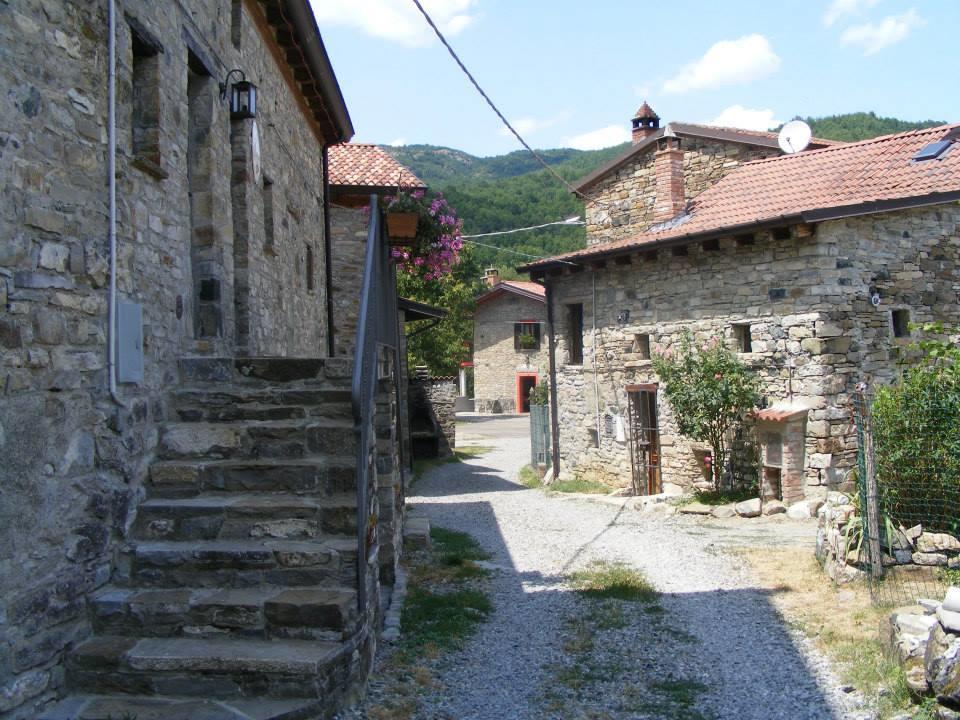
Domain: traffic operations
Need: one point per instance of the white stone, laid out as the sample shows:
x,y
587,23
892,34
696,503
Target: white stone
x,y
951,600
774,507
748,508
950,620
931,559
937,542
799,510
724,511
54,256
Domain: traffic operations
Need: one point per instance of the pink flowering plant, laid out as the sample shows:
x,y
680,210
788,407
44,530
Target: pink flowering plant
x,y
436,248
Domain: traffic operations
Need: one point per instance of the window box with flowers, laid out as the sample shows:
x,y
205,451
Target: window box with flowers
x,y
434,248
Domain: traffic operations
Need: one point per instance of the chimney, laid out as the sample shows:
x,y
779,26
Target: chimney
x,y
668,171
645,123
491,277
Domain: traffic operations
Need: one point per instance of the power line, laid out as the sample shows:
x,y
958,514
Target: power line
x,y
568,221
500,115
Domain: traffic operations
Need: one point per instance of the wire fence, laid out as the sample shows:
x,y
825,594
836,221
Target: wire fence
x,y
908,481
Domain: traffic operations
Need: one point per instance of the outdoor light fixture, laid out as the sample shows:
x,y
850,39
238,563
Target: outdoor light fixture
x,y
624,317
243,96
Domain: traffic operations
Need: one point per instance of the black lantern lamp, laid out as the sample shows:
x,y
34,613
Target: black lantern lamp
x,y
243,96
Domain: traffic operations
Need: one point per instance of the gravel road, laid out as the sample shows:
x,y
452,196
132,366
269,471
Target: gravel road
x,y
714,649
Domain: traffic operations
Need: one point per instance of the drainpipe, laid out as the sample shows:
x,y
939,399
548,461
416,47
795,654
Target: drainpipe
x,y
554,404
328,253
112,183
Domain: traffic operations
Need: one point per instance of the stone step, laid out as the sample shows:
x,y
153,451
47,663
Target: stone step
x,y
239,563
313,475
308,613
231,404
267,372
253,440
141,707
256,515
207,668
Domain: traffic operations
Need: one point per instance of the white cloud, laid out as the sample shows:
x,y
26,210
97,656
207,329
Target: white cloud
x,y
397,142
874,37
396,20
737,116
600,138
728,62
643,91
531,125
841,8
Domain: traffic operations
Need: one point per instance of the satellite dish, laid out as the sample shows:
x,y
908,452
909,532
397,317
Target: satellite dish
x,y
794,136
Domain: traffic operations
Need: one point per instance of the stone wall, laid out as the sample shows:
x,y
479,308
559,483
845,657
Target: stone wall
x,y
348,237
627,196
496,361
434,397
813,332
73,459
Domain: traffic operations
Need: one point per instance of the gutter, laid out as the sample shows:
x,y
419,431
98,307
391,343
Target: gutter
x,y
328,254
112,184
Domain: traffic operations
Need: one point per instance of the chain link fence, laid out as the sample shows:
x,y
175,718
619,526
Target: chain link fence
x,y
908,481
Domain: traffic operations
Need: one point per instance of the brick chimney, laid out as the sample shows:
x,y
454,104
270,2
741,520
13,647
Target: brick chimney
x,y
668,171
645,123
491,277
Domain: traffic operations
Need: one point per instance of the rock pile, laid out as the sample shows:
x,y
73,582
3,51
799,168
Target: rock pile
x,y
842,547
926,639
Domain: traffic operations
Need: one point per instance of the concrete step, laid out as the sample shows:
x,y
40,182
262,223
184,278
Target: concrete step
x,y
231,404
239,563
249,515
206,668
313,475
308,613
141,707
254,440
267,372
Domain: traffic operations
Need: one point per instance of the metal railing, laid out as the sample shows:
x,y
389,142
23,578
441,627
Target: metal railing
x,y
376,339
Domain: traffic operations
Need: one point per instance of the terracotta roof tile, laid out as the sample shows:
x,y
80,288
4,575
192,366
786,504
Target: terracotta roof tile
x,y
532,290
832,182
530,287
645,111
365,166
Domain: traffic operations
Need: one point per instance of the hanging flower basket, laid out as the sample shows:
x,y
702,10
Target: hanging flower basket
x,y
402,226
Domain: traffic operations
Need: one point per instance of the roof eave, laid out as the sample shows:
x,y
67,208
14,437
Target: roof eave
x,y
493,293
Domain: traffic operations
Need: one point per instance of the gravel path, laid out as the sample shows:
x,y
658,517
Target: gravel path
x,y
716,644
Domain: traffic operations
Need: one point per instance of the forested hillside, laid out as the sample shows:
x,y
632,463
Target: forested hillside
x,y
513,190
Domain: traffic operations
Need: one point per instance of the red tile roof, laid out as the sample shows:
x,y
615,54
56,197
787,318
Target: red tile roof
x,y
841,181
645,111
367,166
532,290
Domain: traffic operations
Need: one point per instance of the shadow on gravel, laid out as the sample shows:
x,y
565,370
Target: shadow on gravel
x,y
691,655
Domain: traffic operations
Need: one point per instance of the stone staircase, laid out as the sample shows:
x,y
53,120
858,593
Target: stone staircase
x,y
236,596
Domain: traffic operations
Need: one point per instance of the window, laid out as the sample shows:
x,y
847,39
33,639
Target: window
x,y
526,336
781,233
901,323
741,334
679,251
145,102
309,268
641,345
269,247
745,239
711,245
575,333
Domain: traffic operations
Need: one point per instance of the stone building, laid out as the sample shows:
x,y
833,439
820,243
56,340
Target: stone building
x,y
179,517
628,193
811,266
509,344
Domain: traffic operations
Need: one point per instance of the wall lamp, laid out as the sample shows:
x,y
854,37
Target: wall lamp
x,y
624,317
243,96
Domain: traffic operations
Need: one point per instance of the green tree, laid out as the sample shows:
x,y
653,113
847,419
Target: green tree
x,y
916,430
444,346
709,390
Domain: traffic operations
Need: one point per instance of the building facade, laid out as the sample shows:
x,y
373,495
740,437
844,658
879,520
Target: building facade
x,y
203,507
810,266
509,345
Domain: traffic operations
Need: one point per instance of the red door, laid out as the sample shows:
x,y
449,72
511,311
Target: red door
x,y
525,383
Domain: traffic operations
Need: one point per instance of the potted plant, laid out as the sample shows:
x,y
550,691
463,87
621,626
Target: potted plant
x,y
435,246
527,341
403,216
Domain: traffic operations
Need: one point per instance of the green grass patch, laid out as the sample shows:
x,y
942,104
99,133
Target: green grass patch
x,y
723,497
867,667
441,620
529,477
613,581
579,485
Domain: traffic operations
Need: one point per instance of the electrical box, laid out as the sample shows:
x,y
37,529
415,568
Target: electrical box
x,y
129,342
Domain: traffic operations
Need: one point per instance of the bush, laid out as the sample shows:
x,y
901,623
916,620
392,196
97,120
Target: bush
x,y
916,429
709,390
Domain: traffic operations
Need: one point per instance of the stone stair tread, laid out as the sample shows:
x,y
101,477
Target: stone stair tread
x,y
236,545
144,707
347,460
252,501
209,655
114,596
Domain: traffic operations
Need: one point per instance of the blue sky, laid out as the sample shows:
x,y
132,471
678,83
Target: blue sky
x,y
571,73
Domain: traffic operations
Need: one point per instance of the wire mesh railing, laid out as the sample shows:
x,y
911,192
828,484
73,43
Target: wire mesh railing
x,y
908,480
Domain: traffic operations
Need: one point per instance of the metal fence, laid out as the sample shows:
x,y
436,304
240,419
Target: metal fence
x,y
540,446
909,494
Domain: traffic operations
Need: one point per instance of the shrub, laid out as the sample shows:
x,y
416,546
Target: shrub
x,y
709,390
916,428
